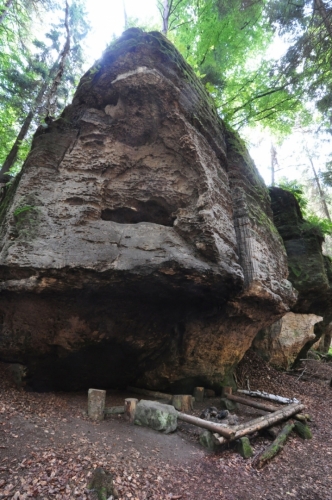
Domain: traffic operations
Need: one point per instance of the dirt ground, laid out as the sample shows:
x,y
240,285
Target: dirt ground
x,y
49,448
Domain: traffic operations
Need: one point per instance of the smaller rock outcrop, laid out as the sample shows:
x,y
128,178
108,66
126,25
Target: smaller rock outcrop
x,y
280,343
310,272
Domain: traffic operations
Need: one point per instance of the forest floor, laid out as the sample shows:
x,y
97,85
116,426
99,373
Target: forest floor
x,y
49,448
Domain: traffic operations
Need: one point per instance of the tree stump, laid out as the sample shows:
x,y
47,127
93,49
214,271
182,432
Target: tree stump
x,y
96,404
199,394
182,402
130,409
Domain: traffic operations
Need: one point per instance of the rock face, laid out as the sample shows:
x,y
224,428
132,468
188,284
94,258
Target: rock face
x,y
309,270
280,343
137,245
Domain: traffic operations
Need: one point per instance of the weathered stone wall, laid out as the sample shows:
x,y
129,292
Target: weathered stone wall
x,y
280,343
310,272
137,245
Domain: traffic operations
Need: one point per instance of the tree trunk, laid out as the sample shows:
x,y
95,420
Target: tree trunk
x,y
320,190
166,10
274,448
321,8
51,97
125,16
5,10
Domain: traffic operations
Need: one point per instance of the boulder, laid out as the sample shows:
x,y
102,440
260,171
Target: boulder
x,y
280,343
137,244
156,415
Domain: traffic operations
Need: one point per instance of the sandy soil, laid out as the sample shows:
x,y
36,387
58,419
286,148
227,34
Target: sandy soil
x,y
49,449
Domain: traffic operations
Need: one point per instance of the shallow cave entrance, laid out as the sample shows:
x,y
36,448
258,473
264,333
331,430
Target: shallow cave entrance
x,y
153,211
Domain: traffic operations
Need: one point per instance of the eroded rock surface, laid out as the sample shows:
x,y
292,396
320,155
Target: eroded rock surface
x,y
280,343
137,244
309,270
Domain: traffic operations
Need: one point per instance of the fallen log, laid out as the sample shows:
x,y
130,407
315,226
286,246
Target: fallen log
x,y
260,423
153,394
249,402
271,397
114,410
274,448
210,426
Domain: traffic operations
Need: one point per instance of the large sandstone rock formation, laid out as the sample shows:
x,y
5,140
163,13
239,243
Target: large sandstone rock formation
x,y
310,271
137,245
280,343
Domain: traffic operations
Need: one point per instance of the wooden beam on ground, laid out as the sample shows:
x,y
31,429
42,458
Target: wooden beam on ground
x,y
271,397
274,448
227,432
260,423
114,410
250,402
152,394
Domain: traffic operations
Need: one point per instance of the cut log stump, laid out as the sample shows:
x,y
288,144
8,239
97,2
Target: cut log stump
x,y
96,404
275,447
130,409
183,402
199,394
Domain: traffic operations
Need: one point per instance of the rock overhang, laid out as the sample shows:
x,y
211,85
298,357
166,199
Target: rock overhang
x,y
143,205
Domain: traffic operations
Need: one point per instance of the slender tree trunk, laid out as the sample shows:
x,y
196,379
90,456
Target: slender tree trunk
x,y
274,163
320,190
125,15
5,10
165,17
324,14
12,155
54,76
52,93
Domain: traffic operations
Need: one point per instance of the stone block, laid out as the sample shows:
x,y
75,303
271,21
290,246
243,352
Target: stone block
x,y
208,440
243,447
227,404
157,416
96,404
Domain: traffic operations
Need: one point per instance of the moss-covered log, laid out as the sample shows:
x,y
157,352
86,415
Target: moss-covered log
x,y
274,448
